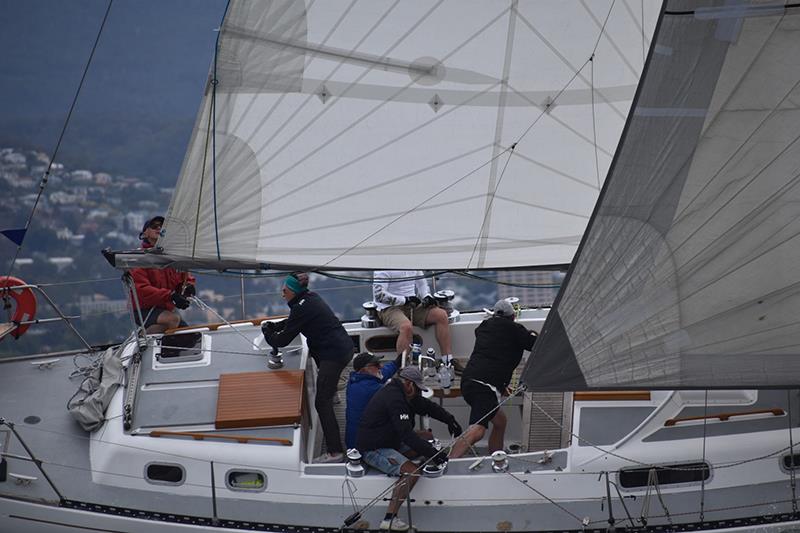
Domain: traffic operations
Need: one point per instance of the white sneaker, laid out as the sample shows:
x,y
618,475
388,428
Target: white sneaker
x,y
395,524
330,458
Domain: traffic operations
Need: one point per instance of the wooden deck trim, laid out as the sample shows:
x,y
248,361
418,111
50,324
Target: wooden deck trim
x,y
258,399
597,396
216,325
202,436
724,417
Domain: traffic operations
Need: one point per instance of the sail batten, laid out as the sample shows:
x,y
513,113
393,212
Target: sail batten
x,y
370,139
687,275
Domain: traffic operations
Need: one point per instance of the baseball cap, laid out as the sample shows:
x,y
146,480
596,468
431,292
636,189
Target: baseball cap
x,y
155,220
412,374
365,358
504,308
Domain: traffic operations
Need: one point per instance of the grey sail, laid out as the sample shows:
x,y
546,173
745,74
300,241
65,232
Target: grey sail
x,y
336,137
687,276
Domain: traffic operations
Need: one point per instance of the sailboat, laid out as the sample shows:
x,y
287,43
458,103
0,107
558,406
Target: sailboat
x,y
456,135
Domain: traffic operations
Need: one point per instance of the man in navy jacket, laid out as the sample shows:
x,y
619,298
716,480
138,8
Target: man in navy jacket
x,y
386,435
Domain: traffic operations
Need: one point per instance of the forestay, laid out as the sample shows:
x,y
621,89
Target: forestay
x,y
382,134
689,275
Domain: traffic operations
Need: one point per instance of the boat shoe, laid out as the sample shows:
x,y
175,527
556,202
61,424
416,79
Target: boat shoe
x,y
330,458
395,524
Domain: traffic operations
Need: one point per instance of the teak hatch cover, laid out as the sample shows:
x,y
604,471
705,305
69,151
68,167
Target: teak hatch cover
x,y
253,399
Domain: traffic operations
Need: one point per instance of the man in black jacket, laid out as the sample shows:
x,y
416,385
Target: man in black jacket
x,y
328,344
386,435
499,343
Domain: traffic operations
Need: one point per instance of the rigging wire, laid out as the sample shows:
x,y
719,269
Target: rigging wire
x,y
46,176
206,307
214,83
703,477
202,181
793,460
77,282
594,124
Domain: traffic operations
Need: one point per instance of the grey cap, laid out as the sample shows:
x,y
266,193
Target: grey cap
x,y
504,308
412,374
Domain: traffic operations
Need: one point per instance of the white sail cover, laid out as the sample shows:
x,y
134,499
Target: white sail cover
x,y
381,134
689,276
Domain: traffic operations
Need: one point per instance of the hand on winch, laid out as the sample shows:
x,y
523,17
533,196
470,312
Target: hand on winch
x,y
188,290
180,301
439,459
454,428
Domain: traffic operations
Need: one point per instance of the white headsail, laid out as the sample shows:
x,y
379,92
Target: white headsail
x,y
688,276
340,134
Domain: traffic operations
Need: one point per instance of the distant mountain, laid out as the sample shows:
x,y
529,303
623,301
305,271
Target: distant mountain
x,y
132,146
141,94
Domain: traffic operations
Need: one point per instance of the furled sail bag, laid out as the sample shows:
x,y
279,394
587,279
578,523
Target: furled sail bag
x,y
88,404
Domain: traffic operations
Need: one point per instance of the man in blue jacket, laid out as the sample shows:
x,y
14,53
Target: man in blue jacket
x,y
367,377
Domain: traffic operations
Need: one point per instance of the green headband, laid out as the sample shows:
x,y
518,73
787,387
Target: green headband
x,y
293,284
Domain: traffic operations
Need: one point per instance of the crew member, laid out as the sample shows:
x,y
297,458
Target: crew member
x,y
404,300
367,377
328,344
386,436
160,290
499,343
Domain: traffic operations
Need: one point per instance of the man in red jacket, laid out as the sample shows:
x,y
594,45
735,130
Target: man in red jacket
x,y
161,291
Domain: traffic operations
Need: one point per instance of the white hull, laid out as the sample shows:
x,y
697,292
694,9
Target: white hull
x,y
102,475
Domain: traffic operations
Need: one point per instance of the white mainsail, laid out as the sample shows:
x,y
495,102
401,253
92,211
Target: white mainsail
x,y
688,276
339,134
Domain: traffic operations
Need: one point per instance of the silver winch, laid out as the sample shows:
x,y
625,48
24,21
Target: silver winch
x,y
275,359
354,467
370,317
500,461
444,299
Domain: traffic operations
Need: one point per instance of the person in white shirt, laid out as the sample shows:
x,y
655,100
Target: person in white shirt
x,y
404,300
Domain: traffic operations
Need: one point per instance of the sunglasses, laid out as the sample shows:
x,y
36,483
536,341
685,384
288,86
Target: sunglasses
x,y
155,226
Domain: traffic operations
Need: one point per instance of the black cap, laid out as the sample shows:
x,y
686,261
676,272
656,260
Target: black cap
x,y
147,223
365,358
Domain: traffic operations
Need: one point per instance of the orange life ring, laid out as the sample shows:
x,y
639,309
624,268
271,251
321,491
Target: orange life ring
x,y
25,303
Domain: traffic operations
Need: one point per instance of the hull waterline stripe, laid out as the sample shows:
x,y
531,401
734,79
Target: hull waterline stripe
x,y
226,524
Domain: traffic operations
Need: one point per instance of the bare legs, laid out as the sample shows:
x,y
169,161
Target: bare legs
x,y
166,320
404,336
438,317
403,486
476,432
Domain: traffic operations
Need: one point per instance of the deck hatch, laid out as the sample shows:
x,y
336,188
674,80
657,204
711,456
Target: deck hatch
x,y
257,399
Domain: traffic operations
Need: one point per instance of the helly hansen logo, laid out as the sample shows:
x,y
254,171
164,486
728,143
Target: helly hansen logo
x,y
404,416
